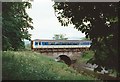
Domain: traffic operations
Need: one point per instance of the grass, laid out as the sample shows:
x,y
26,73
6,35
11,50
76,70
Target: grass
x,y
28,65
87,55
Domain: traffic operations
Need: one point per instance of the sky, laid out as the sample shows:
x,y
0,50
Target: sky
x,y
46,24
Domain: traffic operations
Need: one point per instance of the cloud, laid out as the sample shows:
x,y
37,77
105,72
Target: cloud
x,y
45,22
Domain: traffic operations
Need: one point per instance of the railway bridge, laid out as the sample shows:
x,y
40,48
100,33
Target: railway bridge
x,y
55,51
71,48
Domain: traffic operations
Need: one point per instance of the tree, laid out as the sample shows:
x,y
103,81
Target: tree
x,y
59,37
99,22
15,24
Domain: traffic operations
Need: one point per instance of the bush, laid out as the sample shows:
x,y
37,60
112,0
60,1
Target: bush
x,y
87,55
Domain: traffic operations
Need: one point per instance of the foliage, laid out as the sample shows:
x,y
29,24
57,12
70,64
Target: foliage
x,y
27,65
59,37
99,22
86,56
84,38
15,24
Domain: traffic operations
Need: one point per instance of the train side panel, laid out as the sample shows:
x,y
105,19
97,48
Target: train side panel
x,y
46,44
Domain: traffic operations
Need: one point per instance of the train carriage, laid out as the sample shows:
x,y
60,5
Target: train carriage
x,y
37,43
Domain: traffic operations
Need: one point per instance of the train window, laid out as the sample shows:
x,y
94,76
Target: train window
x,y
56,43
75,43
44,43
82,43
72,43
89,43
63,43
67,43
85,43
36,43
51,43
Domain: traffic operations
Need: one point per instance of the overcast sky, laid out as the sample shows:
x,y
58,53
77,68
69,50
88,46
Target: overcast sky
x,y
46,23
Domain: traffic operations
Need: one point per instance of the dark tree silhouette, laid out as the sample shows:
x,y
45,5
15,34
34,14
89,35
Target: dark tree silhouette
x,y
99,21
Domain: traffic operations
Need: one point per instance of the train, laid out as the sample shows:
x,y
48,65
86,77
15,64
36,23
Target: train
x,y
39,43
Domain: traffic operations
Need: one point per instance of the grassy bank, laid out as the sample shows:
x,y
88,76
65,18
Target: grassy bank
x,y
28,65
87,55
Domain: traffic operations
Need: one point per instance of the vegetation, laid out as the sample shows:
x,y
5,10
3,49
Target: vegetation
x,y
59,37
86,56
15,25
84,38
27,65
81,64
99,21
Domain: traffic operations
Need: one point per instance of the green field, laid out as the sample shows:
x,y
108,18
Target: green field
x,y
28,65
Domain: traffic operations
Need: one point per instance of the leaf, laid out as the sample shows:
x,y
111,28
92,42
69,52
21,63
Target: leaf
x,y
16,23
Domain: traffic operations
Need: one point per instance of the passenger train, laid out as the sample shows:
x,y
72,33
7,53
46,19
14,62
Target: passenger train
x,y
37,43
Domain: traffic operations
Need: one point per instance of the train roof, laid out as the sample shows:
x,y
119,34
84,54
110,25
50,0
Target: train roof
x,y
59,40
